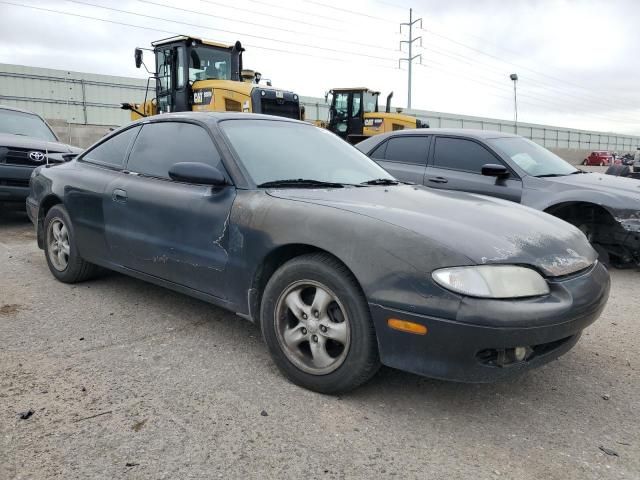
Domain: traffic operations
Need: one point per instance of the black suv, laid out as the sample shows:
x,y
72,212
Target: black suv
x,y
26,142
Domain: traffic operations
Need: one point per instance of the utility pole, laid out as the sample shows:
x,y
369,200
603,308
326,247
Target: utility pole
x,y
409,42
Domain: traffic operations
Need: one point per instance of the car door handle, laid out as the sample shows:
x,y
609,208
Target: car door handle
x,y
119,195
437,179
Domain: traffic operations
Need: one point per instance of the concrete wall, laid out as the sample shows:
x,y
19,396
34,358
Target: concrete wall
x,y
78,135
75,97
83,106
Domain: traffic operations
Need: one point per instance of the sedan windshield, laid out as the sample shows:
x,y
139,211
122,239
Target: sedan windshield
x,y
532,158
276,151
25,124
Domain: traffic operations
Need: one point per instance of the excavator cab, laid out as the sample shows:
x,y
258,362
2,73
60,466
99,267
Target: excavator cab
x,y
192,74
347,111
354,115
183,61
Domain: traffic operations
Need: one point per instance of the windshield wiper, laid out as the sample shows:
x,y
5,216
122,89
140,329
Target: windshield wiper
x,y
381,181
300,183
577,171
551,175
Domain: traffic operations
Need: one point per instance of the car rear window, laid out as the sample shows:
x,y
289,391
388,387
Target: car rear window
x,y
408,149
112,152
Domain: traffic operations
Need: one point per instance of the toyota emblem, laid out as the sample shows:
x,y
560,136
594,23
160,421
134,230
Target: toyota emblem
x,y
36,156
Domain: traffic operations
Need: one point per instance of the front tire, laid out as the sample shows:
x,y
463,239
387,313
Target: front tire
x,y
317,325
60,248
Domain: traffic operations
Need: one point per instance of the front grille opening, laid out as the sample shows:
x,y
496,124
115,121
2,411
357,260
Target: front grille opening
x,y
14,183
281,108
504,357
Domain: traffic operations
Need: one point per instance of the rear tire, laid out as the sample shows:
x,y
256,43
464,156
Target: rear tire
x,y
584,162
60,248
316,323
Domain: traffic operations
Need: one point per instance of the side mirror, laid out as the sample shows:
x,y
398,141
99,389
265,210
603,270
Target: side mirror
x,y
138,57
196,172
494,170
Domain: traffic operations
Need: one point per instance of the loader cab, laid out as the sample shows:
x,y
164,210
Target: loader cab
x,y
348,108
183,61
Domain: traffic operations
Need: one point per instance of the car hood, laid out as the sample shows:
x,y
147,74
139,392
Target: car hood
x,y
484,229
18,141
600,182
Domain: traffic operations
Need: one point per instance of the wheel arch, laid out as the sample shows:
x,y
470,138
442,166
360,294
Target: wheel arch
x,y
45,205
579,209
273,260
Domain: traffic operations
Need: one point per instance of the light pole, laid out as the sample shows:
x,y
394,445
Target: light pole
x,y
514,77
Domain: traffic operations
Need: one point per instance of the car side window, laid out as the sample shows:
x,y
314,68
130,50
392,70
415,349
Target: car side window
x,y
161,145
379,151
112,152
461,154
408,149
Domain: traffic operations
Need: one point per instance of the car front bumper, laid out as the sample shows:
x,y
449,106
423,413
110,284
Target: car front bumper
x,y
14,183
472,346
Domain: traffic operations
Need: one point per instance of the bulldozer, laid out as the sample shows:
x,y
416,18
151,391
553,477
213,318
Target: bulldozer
x,y
193,74
354,115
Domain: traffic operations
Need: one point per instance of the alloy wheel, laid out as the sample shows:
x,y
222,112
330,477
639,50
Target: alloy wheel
x,y
58,247
312,327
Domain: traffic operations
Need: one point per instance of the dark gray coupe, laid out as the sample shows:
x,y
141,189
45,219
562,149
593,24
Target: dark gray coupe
x,y
342,266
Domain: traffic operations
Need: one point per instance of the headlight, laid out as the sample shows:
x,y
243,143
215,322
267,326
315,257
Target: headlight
x,y
492,281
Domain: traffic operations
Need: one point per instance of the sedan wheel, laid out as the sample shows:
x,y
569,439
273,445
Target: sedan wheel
x,y
58,245
312,327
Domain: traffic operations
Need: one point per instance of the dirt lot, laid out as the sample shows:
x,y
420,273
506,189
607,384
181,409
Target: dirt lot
x,y
128,380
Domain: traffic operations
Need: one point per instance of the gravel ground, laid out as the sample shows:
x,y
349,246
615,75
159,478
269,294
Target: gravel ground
x,y
129,380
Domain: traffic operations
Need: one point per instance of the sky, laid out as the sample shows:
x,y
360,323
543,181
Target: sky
x,y
577,61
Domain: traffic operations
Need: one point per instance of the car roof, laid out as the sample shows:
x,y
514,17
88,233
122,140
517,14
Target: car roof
x,y
215,117
15,109
465,132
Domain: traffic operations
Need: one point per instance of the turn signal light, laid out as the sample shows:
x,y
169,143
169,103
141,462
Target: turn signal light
x,y
405,326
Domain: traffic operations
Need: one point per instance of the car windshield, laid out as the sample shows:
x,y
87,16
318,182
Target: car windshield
x,y
532,158
273,151
26,124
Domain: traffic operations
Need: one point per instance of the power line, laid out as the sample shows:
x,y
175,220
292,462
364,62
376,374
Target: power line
x,y
303,12
277,17
257,47
595,98
472,62
348,52
287,30
535,100
482,52
345,10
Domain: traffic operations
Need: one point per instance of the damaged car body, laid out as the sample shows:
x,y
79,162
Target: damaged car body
x,y
605,208
343,267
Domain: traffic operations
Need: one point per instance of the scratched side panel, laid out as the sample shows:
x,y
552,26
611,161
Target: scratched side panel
x,y
390,263
174,231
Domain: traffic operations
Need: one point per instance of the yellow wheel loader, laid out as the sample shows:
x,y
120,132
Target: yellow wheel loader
x,y
354,115
193,74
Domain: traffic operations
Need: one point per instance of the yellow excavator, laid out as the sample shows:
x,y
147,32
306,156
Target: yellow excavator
x,y
193,74
354,115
